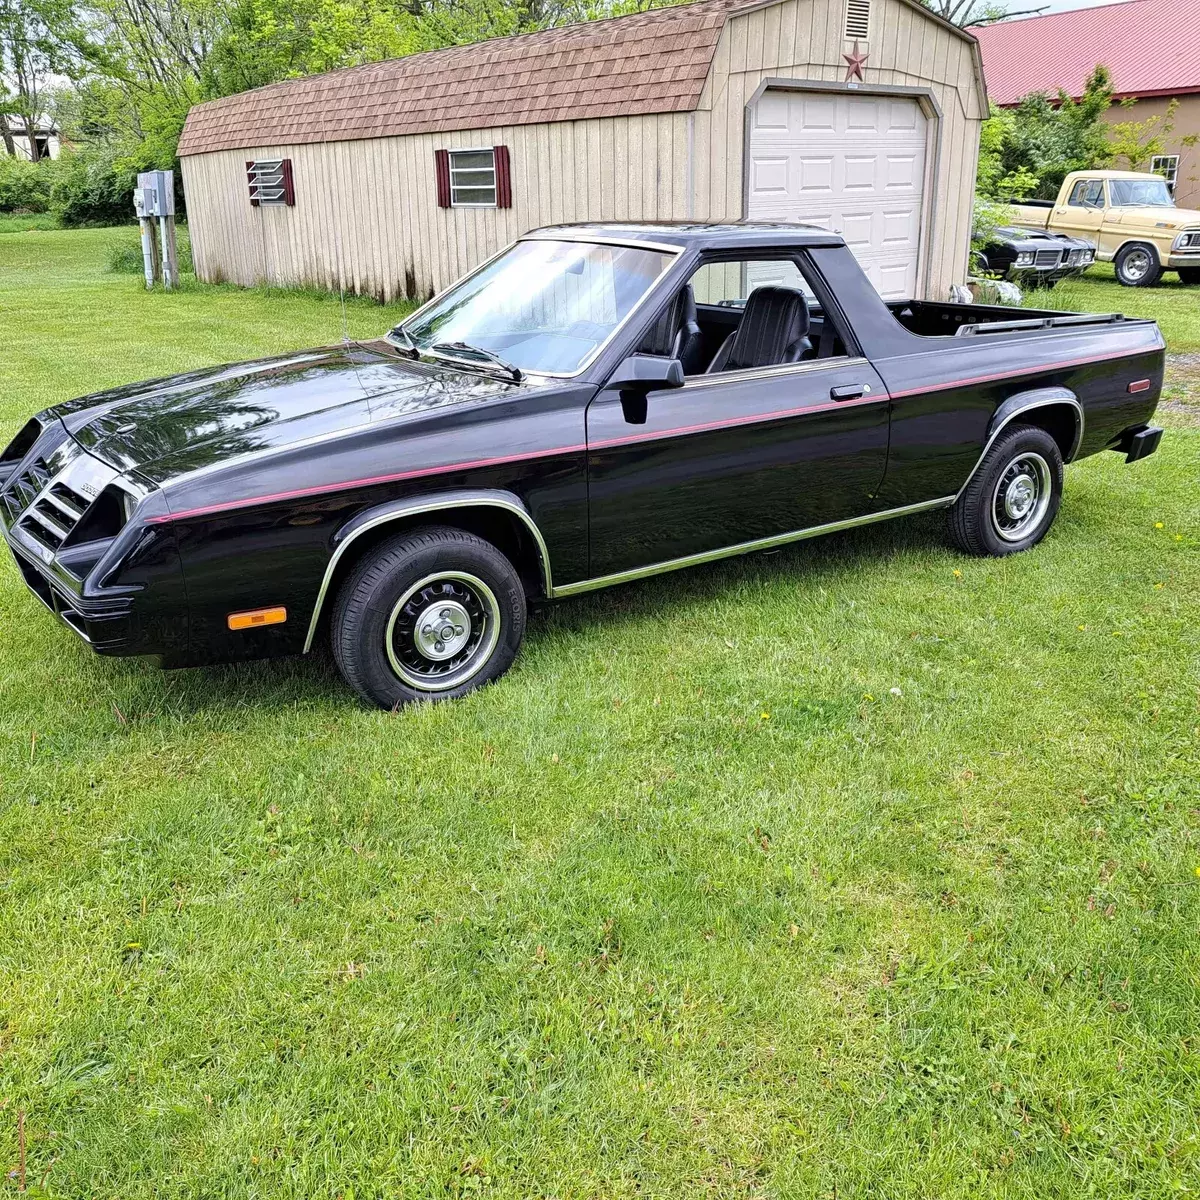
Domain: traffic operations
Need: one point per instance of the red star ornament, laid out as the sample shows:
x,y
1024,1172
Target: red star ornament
x,y
855,60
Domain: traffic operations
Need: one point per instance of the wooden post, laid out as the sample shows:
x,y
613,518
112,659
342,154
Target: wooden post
x,y
150,258
170,255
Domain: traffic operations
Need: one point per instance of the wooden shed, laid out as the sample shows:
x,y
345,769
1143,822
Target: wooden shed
x,y
395,178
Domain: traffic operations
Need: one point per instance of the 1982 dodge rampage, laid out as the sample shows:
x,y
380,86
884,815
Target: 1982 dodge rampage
x,y
596,404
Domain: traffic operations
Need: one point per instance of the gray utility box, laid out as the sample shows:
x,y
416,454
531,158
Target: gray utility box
x,y
154,195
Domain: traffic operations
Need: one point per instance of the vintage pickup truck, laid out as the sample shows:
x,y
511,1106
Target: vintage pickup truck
x,y
1131,220
594,405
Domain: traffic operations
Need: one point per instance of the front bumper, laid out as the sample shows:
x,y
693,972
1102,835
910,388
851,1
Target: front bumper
x,y
71,537
105,624
1183,258
1035,275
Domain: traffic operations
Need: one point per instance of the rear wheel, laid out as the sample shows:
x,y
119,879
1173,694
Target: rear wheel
x,y
1137,265
1189,276
430,615
1012,499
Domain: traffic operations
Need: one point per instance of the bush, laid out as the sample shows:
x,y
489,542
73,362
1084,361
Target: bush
x,y
25,186
124,254
93,187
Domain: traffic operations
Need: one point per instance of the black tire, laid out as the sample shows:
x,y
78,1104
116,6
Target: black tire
x,y
1137,265
984,520
1189,276
390,656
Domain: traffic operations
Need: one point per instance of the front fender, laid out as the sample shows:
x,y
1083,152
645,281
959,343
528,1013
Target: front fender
x,y
397,510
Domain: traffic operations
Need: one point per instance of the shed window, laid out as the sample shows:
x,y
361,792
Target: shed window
x,y
474,178
270,182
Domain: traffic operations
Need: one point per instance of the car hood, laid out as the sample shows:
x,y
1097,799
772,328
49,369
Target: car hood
x,y
1158,217
1036,239
172,426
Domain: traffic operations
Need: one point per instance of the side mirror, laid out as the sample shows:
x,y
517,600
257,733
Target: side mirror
x,y
639,375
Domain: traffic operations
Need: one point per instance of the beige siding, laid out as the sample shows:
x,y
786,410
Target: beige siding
x,y
802,40
1181,141
366,212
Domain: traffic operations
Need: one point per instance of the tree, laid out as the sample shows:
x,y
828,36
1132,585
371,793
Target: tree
x,y
31,52
1050,137
977,12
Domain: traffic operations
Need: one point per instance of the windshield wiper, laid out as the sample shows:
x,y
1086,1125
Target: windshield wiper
x,y
398,336
461,349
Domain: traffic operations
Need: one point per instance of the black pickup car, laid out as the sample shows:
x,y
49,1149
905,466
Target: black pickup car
x,y
1034,257
595,404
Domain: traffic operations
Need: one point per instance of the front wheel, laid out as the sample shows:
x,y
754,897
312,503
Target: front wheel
x,y
430,615
1189,276
1012,499
1137,265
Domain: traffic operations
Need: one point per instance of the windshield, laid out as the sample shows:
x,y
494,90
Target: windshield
x,y
1140,193
543,306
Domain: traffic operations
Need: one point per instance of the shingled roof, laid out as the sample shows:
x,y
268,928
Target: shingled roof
x,y
650,62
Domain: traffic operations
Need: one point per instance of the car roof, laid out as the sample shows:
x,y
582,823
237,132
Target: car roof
x,y
740,235
1113,175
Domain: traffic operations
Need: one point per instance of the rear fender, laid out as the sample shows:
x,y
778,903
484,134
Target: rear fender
x,y
1060,413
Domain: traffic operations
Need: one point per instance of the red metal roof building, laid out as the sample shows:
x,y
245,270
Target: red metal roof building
x,y
1152,48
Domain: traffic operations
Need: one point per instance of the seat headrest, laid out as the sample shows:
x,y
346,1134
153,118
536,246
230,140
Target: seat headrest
x,y
680,312
775,319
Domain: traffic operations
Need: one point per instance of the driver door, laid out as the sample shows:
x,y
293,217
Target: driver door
x,y
1083,214
741,455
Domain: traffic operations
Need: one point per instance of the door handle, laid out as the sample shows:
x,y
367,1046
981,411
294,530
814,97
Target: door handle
x,y
850,391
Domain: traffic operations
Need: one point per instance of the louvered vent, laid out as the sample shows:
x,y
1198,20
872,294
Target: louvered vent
x,y
858,20
270,182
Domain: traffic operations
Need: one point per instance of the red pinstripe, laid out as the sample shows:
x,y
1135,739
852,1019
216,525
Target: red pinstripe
x,y
633,439
956,383
325,489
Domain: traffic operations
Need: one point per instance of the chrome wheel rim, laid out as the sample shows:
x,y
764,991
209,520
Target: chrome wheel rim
x,y
1021,497
1136,264
442,630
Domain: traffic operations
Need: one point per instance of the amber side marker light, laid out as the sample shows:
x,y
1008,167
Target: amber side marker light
x,y
1139,385
257,617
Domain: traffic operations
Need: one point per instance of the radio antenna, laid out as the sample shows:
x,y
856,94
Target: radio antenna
x,y
335,209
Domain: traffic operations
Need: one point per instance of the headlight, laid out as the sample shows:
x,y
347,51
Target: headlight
x,y
1188,240
1025,258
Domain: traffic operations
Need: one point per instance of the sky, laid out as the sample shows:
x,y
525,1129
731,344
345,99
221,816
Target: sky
x,y
1055,5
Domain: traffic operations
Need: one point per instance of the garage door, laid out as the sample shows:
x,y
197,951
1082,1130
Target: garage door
x,y
853,164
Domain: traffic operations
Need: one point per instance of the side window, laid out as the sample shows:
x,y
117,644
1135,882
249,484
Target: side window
x,y
1087,193
745,313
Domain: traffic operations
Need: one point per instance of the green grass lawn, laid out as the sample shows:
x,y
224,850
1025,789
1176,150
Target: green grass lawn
x,y
1175,307
860,869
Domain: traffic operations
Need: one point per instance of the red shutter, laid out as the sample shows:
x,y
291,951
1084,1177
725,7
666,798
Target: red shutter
x,y
289,189
250,184
441,160
503,178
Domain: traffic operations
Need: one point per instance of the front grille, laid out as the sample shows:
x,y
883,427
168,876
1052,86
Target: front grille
x,y
1048,258
24,488
48,524
62,496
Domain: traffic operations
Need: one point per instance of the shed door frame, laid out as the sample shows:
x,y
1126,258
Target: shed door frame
x,y
930,109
